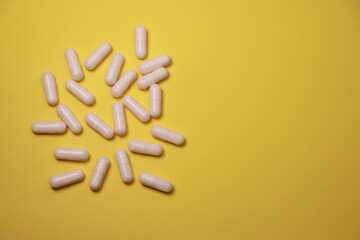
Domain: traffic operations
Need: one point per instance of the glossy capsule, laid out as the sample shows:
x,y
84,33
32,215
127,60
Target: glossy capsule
x,y
100,171
114,69
72,154
155,101
139,111
152,78
99,125
80,92
50,127
123,83
147,148
97,56
50,88
124,166
69,118
153,64
167,135
155,182
74,65
119,119
140,42
67,178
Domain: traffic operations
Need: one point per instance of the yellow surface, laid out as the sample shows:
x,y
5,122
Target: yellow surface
x,y
267,94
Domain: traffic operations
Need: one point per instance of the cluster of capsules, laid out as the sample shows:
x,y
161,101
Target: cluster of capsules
x,y
153,71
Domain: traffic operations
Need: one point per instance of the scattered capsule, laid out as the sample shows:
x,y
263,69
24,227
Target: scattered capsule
x,y
153,64
138,110
69,118
50,127
99,173
123,83
74,65
50,88
114,69
97,56
147,148
124,166
155,182
140,42
81,93
73,154
153,77
155,101
99,125
67,178
119,119
167,135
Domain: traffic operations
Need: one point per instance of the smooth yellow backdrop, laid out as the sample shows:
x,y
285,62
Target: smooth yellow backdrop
x,y
267,94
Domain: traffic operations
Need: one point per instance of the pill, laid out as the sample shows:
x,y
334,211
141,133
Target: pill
x,y
114,69
155,182
81,93
153,77
69,118
67,178
99,173
124,166
119,119
99,125
155,100
50,88
50,127
97,56
124,83
74,65
140,42
138,110
147,148
73,154
153,64
167,135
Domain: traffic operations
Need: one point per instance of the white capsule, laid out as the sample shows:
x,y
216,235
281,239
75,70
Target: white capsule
x,y
73,154
124,166
119,119
99,125
138,110
80,92
155,182
140,42
167,135
153,64
67,178
152,78
74,65
123,83
145,148
69,118
50,88
97,56
99,173
155,101
114,69
50,127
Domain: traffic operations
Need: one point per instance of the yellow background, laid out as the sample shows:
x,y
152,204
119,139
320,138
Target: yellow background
x,y
267,94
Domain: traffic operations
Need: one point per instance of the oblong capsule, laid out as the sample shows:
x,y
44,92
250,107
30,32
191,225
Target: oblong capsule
x,y
100,171
167,135
155,182
155,101
140,42
80,92
119,119
152,78
97,56
147,148
74,65
73,154
99,125
50,127
69,118
123,83
67,178
50,88
155,63
124,166
113,71
139,111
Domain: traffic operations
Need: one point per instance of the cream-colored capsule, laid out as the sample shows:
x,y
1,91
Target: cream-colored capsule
x,y
50,127
167,135
155,182
80,92
145,148
69,118
50,88
124,165
99,125
100,171
138,110
73,154
155,101
153,64
119,119
124,83
152,78
74,65
140,42
67,178
114,69
97,56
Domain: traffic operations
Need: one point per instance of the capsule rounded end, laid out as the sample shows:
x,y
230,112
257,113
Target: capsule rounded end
x,y
127,178
167,187
121,132
145,117
95,187
109,134
158,150
89,65
114,93
141,84
78,76
90,100
53,101
132,145
155,114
